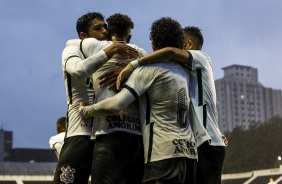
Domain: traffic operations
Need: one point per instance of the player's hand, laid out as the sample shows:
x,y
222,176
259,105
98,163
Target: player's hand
x,y
123,75
109,77
122,49
225,140
82,104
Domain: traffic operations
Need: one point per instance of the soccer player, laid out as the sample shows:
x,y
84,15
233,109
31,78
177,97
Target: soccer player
x,y
210,142
162,93
56,142
118,153
74,165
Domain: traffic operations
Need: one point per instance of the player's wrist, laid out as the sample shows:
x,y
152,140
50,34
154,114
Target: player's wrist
x,y
134,64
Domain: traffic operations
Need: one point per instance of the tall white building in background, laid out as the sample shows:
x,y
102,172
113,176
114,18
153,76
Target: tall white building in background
x,y
242,100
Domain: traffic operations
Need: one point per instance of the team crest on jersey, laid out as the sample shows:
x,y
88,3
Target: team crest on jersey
x,y
67,175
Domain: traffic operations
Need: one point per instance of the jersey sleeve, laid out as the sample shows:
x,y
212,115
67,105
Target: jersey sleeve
x,y
141,79
73,42
199,59
141,51
74,63
52,141
108,106
91,46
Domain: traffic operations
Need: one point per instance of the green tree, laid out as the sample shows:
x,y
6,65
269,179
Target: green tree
x,y
255,148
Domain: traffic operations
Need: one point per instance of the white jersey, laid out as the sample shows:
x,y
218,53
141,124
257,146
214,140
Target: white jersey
x,y
203,97
128,120
79,87
57,139
163,104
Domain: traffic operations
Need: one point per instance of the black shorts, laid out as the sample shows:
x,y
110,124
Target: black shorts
x,y
74,164
118,159
179,170
210,162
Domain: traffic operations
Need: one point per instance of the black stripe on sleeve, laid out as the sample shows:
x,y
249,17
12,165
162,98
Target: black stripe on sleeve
x,y
131,91
200,87
80,46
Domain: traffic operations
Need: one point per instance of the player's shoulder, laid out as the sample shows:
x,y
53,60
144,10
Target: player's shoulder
x,y
139,49
73,42
95,42
71,50
199,53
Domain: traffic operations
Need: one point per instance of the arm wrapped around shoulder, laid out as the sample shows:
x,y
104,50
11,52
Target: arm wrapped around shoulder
x,y
111,105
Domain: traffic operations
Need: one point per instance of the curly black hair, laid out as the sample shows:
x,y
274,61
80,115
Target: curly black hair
x,y
166,32
118,25
195,34
83,23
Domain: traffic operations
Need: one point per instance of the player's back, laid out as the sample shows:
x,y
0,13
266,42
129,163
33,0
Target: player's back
x,y
128,120
164,107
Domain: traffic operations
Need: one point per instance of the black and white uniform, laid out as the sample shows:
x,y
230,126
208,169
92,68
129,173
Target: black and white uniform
x,y
162,93
164,104
56,143
128,120
211,148
74,165
118,153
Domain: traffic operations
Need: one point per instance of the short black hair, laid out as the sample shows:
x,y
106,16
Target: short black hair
x,y
118,24
166,32
195,34
82,24
61,124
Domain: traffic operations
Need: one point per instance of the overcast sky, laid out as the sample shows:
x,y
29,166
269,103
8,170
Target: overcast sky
x,y
33,34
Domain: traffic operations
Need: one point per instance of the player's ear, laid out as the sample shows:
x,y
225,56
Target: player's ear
x,y
83,35
189,44
128,38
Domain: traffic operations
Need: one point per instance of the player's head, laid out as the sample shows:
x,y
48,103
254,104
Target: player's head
x,y
61,124
166,32
120,26
92,25
194,39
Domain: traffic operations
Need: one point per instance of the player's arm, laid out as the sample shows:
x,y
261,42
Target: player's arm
x,y
78,67
109,78
108,106
164,54
57,147
124,50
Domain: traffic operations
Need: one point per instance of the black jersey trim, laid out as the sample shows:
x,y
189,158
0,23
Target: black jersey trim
x,y
205,115
200,87
148,108
189,64
148,113
69,58
69,78
80,47
69,87
151,136
67,121
131,91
